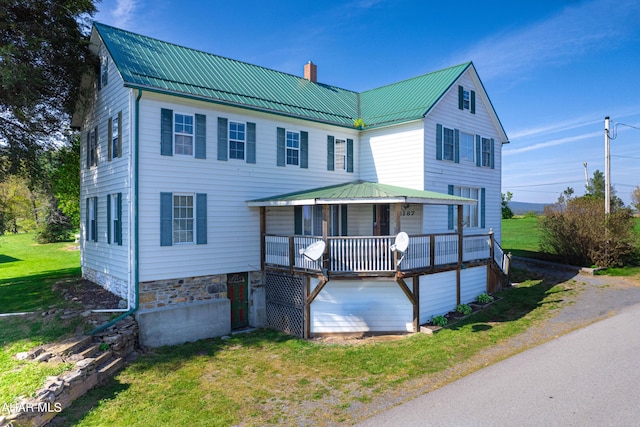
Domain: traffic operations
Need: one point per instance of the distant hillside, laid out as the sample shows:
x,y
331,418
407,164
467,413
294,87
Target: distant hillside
x,y
521,208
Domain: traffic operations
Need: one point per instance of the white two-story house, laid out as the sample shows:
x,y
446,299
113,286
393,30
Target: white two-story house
x,y
204,179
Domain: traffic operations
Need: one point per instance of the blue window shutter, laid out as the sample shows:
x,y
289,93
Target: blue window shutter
x,y
201,218
95,222
166,132
304,149
201,136
87,220
119,222
280,147
349,155
109,218
478,150
473,102
482,207
492,154
297,220
330,153
222,139
438,142
460,98
343,219
456,146
251,142
450,210
166,219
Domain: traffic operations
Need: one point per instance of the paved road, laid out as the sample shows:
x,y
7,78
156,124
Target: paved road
x,y
590,377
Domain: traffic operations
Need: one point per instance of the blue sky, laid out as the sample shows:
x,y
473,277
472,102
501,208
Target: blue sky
x,y
553,69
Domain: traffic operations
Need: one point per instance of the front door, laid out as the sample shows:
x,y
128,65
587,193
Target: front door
x,y
238,293
381,218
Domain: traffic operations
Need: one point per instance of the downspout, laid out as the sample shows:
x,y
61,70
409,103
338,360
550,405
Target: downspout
x,y
136,270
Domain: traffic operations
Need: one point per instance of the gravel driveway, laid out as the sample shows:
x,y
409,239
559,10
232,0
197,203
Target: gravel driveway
x,y
599,298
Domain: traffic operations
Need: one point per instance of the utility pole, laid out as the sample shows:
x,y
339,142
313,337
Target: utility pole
x,y
607,169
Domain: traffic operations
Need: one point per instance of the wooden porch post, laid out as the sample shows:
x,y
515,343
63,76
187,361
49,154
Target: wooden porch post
x,y
398,215
460,252
326,218
416,304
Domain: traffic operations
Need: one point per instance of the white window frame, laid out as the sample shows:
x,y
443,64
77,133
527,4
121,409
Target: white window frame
x,y
184,134
236,144
115,131
104,71
114,217
292,147
466,99
93,230
312,220
340,154
470,213
467,147
485,152
183,225
448,144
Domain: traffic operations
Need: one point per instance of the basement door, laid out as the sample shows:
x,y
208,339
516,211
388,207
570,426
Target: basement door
x,y
238,293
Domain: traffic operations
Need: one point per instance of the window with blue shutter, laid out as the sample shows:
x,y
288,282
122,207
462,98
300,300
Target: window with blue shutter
x,y
281,149
183,218
251,142
304,150
166,132
222,138
330,153
466,99
201,136
349,155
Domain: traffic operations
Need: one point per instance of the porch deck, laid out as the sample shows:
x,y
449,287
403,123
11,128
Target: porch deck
x,y
372,255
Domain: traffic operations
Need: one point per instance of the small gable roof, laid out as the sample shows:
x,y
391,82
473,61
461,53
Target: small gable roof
x,y
151,64
357,192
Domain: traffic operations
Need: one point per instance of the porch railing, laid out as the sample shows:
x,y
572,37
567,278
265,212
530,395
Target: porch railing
x,y
361,254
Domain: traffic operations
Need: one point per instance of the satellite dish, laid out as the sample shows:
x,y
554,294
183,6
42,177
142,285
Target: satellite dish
x,y
314,250
401,243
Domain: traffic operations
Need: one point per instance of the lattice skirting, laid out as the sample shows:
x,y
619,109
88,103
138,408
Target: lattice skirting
x,y
285,295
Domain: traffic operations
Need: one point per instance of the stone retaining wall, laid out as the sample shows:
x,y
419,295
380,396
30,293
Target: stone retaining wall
x,y
96,359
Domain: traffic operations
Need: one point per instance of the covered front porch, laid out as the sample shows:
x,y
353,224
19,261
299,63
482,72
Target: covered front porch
x,y
352,285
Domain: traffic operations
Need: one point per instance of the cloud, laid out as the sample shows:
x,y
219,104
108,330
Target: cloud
x,y
123,12
556,127
552,143
574,31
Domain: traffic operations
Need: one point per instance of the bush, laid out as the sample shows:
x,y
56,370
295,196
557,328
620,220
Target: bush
x,y
579,233
56,228
464,309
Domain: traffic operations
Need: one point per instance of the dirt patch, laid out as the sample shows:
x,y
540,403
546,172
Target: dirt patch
x,y
87,293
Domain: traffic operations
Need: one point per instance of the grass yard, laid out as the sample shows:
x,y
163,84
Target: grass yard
x,y
521,236
27,271
265,377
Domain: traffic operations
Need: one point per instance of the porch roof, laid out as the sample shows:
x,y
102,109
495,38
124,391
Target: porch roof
x,y
360,192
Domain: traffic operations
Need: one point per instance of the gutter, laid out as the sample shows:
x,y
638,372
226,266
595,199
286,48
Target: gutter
x,y
136,247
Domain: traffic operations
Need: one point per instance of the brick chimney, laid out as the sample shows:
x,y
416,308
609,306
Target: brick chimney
x,y
311,72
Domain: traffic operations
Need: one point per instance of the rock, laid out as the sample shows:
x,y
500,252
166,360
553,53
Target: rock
x,y
122,303
23,355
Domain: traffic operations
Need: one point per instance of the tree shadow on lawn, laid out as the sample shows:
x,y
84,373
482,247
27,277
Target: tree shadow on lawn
x,y
29,293
517,301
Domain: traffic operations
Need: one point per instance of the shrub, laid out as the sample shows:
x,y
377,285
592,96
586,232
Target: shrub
x,y
464,309
56,228
580,233
484,298
439,320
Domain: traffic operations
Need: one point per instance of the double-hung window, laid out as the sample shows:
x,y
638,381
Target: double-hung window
x,y
183,134
293,148
104,72
448,144
472,215
115,135
341,154
237,140
92,147
466,99
91,232
486,152
467,147
114,218
183,218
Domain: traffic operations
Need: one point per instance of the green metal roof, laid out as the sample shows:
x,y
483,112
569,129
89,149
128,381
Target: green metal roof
x,y
409,99
360,192
151,64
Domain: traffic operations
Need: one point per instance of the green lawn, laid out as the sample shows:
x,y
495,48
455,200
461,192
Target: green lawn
x,y
521,236
27,271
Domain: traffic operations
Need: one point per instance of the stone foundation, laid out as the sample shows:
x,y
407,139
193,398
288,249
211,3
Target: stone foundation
x,y
114,285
